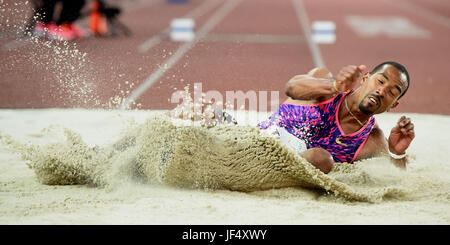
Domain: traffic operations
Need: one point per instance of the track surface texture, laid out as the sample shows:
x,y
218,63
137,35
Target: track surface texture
x,y
242,45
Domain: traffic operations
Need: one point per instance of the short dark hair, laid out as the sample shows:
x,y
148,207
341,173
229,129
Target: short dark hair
x,y
400,67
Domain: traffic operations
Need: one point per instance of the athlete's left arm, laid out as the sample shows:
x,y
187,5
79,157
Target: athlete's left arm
x,y
399,140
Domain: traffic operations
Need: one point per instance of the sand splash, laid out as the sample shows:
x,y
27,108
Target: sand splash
x,y
167,151
68,72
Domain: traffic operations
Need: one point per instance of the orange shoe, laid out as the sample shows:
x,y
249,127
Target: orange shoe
x,y
97,22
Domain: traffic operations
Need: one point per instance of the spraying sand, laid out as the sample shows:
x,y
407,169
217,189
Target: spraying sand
x,y
149,169
140,167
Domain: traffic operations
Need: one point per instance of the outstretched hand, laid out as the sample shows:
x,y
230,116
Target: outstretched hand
x,y
401,136
348,77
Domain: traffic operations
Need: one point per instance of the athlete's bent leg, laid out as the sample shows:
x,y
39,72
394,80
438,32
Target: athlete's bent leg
x,y
319,158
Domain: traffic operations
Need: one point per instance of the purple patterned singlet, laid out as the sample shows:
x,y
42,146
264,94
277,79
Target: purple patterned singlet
x,y
318,126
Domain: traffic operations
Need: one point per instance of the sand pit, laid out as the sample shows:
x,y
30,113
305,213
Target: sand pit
x,y
173,172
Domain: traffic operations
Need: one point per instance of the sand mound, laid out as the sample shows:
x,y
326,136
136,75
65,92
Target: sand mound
x,y
240,158
67,162
137,180
226,157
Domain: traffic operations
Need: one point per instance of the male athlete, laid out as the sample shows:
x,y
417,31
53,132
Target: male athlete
x,y
328,120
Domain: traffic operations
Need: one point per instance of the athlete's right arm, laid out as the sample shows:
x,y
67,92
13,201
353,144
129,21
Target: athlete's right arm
x,y
320,85
316,85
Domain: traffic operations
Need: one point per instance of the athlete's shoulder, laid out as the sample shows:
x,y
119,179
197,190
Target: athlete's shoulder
x,y
375,145
376,139
376,133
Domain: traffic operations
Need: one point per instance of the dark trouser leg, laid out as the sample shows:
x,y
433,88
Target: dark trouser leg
x,y
44,10
70,11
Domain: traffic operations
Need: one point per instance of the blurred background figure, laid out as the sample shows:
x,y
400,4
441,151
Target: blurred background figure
x,y
55,19
53,24
103,20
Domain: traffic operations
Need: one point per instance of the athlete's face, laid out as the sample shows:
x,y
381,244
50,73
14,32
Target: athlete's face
x,y
381,90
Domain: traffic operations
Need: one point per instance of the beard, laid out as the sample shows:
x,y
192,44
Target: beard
x,y
368,109
365,110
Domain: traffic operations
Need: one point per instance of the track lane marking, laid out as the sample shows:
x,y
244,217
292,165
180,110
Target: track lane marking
x,y
304,22
218,16
418,10
254,38
205,7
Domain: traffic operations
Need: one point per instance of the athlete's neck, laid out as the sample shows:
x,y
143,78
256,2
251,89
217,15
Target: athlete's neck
x,y
351,112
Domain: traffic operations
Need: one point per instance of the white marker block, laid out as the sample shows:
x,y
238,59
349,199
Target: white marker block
x,y
182,30
323,32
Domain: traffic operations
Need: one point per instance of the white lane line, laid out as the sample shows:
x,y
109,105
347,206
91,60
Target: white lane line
x,y
428,14
304,22
254,38
218,16
206,6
